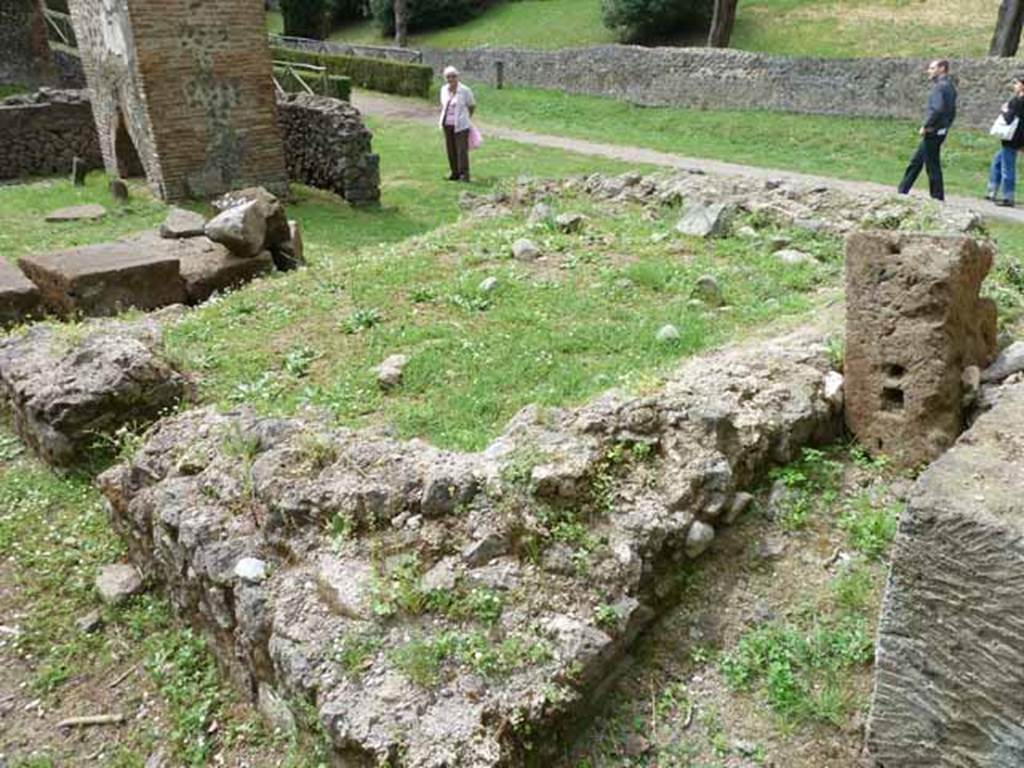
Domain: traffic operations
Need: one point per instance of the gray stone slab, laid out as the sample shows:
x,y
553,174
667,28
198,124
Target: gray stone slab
x,y
206,267
949,677
78,213
102,280
20,299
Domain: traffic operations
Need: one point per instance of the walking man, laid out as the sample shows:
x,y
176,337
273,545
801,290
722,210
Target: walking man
x,y
939,115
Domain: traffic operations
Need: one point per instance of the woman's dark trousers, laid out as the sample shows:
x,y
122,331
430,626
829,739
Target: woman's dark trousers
x,y
927,155
457,145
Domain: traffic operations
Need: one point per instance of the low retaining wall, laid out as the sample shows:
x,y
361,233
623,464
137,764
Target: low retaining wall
x,y
44,131
705,78
327,146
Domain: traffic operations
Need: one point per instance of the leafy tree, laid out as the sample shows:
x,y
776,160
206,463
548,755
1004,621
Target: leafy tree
x,y
648,20
304,18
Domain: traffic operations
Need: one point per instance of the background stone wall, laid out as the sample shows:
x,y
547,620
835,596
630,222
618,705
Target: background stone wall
x,y
44,131
24,52
191,84
327,146
723,79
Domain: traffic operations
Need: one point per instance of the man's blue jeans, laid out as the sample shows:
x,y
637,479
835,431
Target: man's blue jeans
x,y
1003,173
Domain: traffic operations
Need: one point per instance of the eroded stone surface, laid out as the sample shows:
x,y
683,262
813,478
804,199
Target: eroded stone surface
x,y
436,607
914,321
67,393
20,299
949,679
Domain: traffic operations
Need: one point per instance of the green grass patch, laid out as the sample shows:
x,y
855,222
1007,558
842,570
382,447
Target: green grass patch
x,y
11,89
811,485
522,23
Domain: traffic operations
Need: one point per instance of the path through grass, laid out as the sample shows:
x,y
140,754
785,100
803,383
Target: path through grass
x,y
851,148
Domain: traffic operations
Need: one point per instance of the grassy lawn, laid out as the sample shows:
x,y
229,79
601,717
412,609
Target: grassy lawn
x,y
845,28
827,28
523,23
869,149
10,89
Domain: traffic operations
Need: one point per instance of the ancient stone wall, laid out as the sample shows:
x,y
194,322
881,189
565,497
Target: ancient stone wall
x,y
328,147
43,132
722,79
183,92
26,54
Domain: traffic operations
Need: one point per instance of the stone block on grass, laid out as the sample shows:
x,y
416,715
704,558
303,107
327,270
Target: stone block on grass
x,y
102,280
20,299
206,267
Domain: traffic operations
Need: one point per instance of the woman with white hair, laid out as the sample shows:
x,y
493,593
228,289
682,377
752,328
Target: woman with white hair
x,y
457,105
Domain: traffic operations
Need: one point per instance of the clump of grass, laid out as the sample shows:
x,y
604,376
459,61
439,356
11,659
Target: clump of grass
x,y
802,670
869,525
422,659
812,485
362,320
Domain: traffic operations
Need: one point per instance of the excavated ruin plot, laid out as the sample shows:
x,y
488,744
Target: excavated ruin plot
x,y
445,609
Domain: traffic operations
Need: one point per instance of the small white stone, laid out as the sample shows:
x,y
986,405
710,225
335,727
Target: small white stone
x,y
834,388
488,284
251,569
667,333
793,256
525,250
699,538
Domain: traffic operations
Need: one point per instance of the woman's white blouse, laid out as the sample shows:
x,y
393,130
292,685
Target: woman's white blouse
x,y
463,100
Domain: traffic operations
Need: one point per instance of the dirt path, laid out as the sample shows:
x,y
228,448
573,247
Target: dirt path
x,y
415,110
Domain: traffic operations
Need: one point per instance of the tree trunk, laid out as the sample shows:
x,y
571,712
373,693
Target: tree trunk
x,y
1006,38
401,23
722,22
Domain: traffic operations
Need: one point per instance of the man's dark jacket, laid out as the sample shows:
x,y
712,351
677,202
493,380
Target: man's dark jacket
x,y
941,109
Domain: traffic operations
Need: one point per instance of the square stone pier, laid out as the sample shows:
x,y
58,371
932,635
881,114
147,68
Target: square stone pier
x,y
182,92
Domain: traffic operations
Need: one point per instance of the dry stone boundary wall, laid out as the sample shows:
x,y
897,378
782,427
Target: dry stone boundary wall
x,y
718,79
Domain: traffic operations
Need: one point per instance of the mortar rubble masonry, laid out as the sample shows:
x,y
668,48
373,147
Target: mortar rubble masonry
x,y
189,511
914,321
949,672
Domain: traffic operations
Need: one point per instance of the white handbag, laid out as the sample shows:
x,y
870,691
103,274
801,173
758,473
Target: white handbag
x,y
1003,130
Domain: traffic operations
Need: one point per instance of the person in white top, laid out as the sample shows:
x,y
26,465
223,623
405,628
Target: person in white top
x,y
457,105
